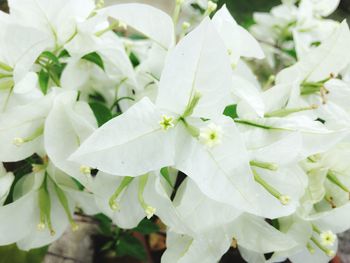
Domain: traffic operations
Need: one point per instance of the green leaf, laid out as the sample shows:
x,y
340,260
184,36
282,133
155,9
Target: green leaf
x,y
165,173
55,72
95,58
146,227
231,111
12,254
64,54
134,59
96,97
105,224
50,56
128,245
44,81
101,112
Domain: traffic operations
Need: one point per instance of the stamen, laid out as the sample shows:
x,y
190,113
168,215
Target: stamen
x,y
286,112
149,210
177,11
5,67
85,170
211,8
310,248
264,165
112,200
330,200
327,251
192,104
45,207
194,131
64,202
18,141
284,199
331,176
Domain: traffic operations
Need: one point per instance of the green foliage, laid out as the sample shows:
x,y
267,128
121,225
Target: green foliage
x,y
231,111
129,245
134,59
44,81
101,112
11,254
51,69
95,58
243,10
123,242
20,169
165,173
146,227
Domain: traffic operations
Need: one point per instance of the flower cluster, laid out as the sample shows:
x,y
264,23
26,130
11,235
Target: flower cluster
x,y
118,110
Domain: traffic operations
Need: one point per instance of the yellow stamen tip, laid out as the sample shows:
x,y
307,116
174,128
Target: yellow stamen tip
x,y
41,226
18,141
150,211
85,170
284,199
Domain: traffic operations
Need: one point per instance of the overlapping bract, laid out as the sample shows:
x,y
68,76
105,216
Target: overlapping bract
x,y
108,122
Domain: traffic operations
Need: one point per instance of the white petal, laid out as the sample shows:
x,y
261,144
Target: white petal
x,y
223,172
16,219
22,122
6,180
130,212
198,63
68,124
329,57
130,144
207,248
256,234
146,19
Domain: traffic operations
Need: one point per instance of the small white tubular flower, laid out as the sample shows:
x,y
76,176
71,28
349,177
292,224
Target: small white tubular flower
x,y
166,122
211,135
150,211
328,238
18,141
85,169
284,199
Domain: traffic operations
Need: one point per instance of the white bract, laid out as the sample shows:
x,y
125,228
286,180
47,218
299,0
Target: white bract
x,y
125,111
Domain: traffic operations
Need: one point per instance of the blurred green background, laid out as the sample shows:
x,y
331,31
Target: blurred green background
x,y
243,9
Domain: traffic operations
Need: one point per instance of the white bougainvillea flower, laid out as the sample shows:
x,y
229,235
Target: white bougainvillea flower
x,y
127,200
56,19
6,180
147,142
238,41
66,127
144,118
22,129
206,248
18,81
328,58
151,22
42,209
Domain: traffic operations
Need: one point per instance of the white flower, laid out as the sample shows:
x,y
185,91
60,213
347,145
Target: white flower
x,y
328,238
166,122
211,135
